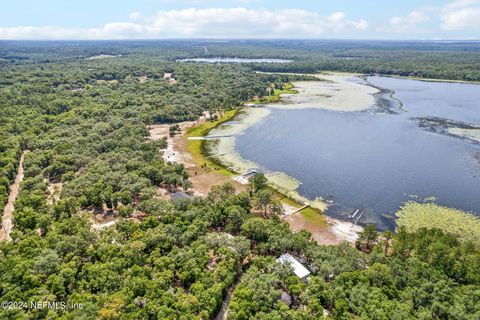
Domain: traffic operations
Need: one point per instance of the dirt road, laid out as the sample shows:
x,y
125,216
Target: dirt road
x,y
7,224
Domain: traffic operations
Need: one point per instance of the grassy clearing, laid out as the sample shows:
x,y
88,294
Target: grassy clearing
x,y
196,148
311,215
464,225
275,97
314,216
286,200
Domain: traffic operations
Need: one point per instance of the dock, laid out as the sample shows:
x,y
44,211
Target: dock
x,y
216,155
300,209
359,216
249,173
356,214
353,214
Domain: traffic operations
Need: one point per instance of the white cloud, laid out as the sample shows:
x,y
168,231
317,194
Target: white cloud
x,y
206,23
135,16
460,15
409,22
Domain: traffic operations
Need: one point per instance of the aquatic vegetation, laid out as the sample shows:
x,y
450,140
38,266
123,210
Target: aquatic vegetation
x,y
223,148
283,181
339,92
462,224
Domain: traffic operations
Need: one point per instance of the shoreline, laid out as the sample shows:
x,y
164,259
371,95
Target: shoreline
x,y
382,75
324,229
427,79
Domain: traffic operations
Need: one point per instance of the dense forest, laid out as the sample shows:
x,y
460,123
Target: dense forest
x,y
84,125
454,60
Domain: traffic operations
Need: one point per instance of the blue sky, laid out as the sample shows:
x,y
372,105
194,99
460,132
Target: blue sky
x,y
158,19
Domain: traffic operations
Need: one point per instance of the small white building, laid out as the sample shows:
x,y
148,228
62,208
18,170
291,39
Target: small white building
x,y
299,270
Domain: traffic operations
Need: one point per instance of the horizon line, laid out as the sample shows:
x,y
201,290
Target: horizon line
x,y
243,39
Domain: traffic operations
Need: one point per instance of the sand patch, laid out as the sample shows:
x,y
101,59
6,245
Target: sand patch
x,y
320,232
172,153
100,226
158,131
289,209
162,193
330,233
54,190
102,56
472,134
345,231
202,179
101,219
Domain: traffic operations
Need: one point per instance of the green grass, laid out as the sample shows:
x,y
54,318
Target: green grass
x,y
275,97
464,225
314,216
286,200
196,148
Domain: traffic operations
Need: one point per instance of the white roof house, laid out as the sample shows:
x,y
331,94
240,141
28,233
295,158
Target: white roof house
x,y
299,270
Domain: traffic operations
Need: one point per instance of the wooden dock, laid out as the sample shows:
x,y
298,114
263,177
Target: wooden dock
x,y
356,214
300,209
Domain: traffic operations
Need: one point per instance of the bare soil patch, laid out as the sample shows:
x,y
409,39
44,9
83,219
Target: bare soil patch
x,y
322,233
54,190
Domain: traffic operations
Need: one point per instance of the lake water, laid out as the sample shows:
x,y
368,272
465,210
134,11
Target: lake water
x,y
234,60
375,160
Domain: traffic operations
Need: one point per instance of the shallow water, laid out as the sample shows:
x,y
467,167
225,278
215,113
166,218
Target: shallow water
x,y
373,160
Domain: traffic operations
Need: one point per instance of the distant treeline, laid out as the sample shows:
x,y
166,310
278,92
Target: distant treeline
x,y
455,60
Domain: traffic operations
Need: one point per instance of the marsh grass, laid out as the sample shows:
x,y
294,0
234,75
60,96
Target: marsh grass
x,y
414,215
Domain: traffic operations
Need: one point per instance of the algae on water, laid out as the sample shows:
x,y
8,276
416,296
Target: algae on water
x,y
414,215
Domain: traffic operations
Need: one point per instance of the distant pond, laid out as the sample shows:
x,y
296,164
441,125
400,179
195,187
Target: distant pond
x,y
234,60
377,159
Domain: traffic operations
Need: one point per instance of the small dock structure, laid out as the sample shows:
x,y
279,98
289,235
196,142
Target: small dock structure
x,y
253,105
356,214
249,173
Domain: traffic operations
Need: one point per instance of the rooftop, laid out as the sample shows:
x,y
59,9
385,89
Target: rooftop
x,y
298,268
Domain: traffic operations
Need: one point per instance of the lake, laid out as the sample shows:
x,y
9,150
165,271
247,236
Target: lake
x,y
375,160
234,60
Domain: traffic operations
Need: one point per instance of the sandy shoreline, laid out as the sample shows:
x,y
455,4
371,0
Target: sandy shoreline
x,y
472,134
